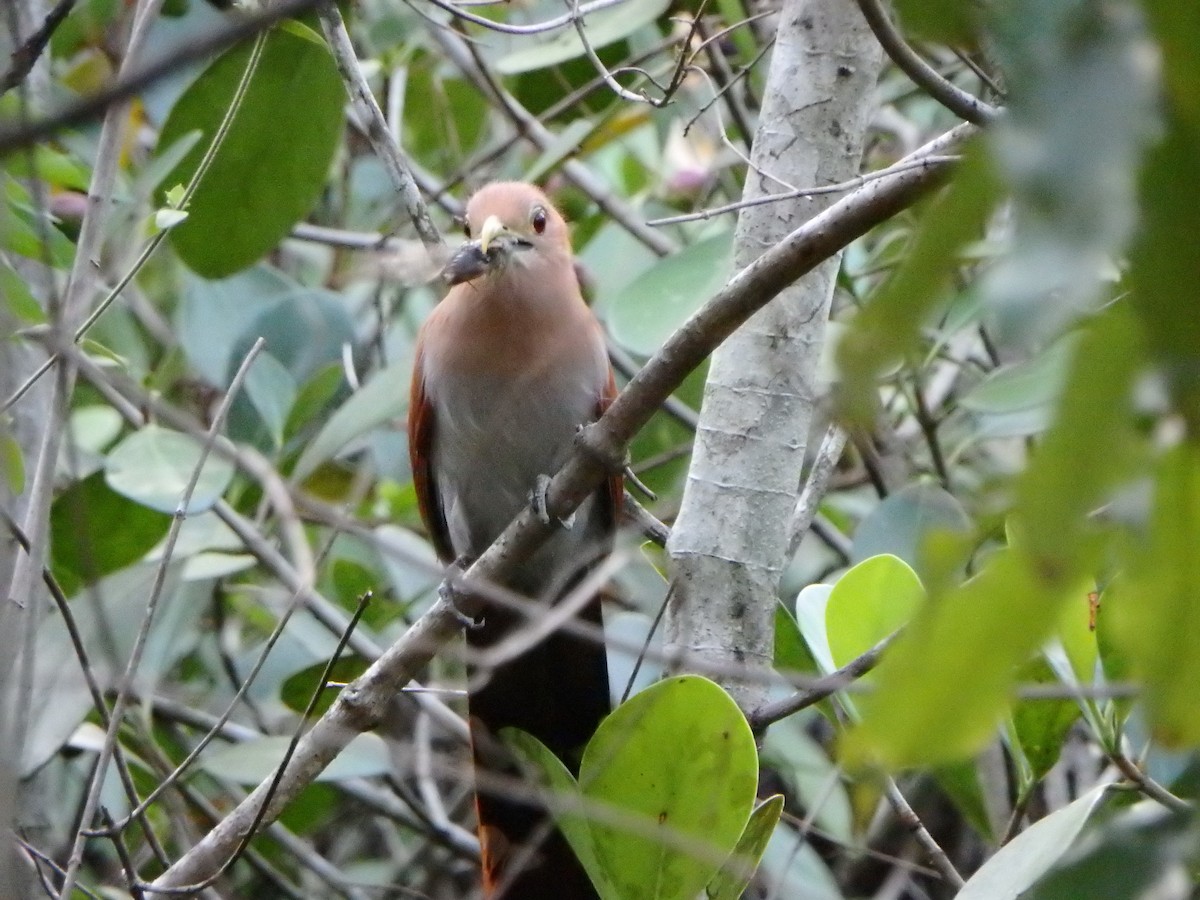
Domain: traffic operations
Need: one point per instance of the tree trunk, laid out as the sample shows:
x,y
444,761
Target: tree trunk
x,y
729,544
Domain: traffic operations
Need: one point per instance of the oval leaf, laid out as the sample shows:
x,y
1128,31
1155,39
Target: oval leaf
x,y
254,761
1026,858
153,466
684,811
902,523
269,170
650,309
735,875
604,27
868,603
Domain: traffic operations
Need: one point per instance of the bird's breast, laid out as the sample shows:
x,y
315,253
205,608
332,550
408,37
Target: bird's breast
x,y
495,435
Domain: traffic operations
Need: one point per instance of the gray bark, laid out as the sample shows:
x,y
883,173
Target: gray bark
x,y
729,544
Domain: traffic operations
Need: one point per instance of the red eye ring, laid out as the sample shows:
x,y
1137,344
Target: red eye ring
x,y
538,218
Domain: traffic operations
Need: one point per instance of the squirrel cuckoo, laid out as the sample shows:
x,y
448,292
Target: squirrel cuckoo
x,y
508,367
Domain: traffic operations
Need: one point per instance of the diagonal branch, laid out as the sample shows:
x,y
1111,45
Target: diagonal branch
x,y
962,104
363,703
25,56
376,127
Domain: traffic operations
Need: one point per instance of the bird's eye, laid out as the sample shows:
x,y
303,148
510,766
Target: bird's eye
x,y
538,218
466,228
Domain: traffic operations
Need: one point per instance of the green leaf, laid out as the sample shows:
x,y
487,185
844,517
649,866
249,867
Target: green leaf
x,y
215,317
607,26
30,233
1035,382
812,776
1067,478
272,390
654,305
251,762
1076,630
107,622
906,520
636,819
632,764
1131,857
869,602
960,781
1177,34
1041,726
165,219
790,867
95,531
1160,277
313,396
809,625
1114,656
566,804
791,653
50,165
950,673
889,327
18,298
1072,178
12,464
218,321
1156,618
735,876
1026,858
949,21
297,689
152,466
381,400
271,167
811,605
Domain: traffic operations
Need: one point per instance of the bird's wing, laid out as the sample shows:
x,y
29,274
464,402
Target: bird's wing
x,y
614,486
421,423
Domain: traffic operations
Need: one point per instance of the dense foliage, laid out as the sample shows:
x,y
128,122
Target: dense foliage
x,y
212,469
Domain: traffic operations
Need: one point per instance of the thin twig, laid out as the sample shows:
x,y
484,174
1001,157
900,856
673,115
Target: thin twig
x,y
206,161
911,821
536,28
468,60
93,686
770,713
609,77
377,131
1148,785
954,98
646,521
130,83
25,56
841,187
813,492
318,691
139,645
362,703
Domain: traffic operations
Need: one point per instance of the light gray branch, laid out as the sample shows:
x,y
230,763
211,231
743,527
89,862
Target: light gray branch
x,y
363,703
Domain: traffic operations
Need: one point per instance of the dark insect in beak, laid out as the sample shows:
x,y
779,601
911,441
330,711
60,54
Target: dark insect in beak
x,y
471,261
468,263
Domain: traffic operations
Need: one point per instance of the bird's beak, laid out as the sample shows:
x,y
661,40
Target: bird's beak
x,y
492,229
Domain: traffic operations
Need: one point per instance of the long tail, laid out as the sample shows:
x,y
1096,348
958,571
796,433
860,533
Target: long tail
x,y
558,692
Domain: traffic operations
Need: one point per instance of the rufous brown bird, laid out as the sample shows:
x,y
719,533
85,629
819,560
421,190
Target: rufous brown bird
x,y
508,367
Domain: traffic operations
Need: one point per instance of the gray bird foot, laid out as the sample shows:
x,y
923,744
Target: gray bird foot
x,y
537,499
449,591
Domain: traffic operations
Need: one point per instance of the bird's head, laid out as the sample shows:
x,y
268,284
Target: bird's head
x,y
508,223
